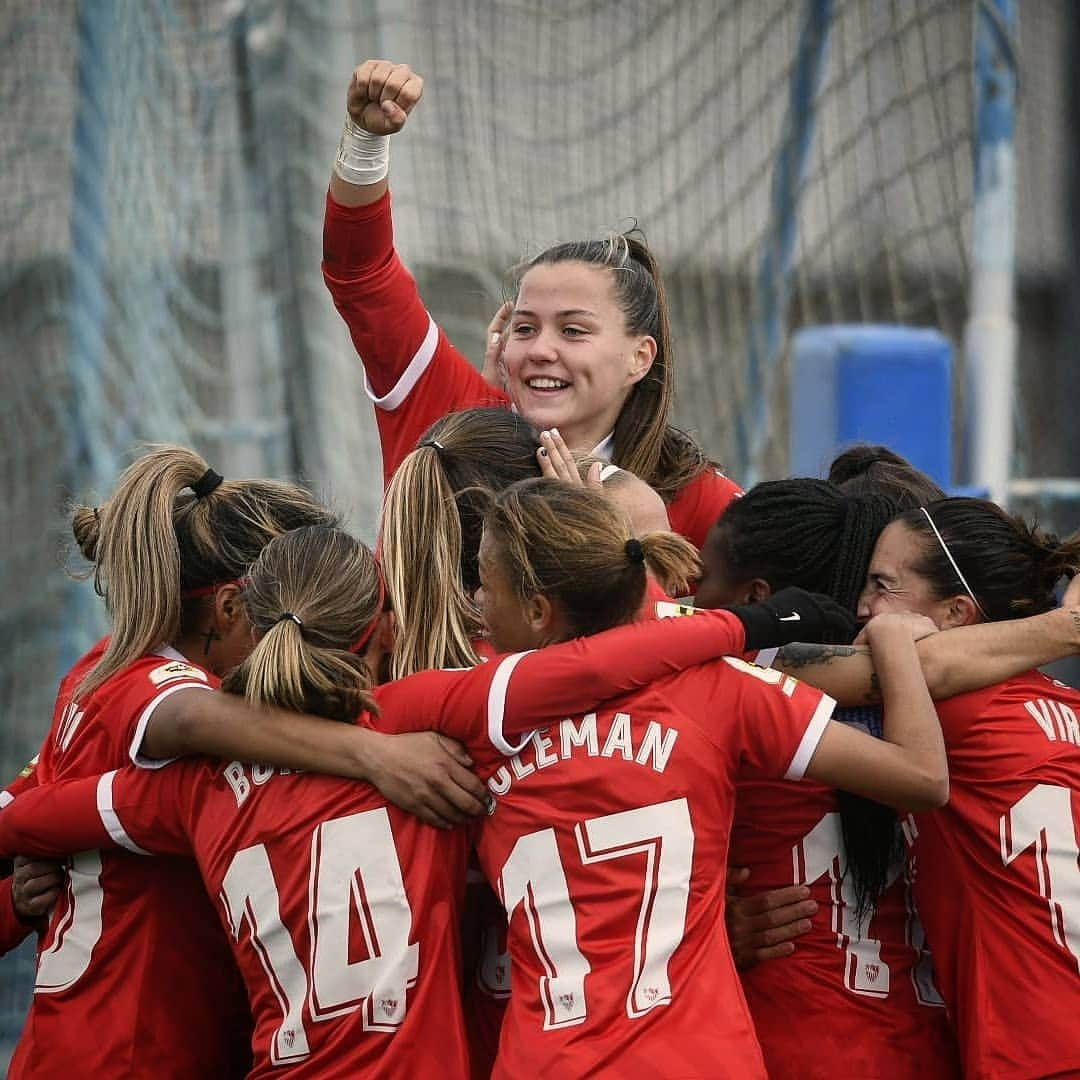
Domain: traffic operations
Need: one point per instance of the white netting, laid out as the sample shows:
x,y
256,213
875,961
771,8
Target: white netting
x,y
173,291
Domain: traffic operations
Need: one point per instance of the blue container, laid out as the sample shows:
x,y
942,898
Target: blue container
x,y
875,384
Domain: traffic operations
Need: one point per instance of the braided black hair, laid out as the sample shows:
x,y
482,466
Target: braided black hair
x,y
812,534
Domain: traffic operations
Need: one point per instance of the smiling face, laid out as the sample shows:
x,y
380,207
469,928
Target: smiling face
x,y
570,362
894,584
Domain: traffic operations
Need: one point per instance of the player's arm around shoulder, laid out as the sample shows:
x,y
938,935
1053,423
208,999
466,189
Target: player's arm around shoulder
x,y
906,769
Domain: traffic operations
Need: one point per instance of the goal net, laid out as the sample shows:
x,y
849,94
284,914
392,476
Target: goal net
x,y
164,168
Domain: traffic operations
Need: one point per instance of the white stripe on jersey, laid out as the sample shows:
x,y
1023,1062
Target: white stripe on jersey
x,y
411,375
135,749
497,705
109,818
811,737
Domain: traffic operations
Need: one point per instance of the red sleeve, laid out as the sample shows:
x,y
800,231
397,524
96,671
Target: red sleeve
x,y
25,781
123,708
698,506
13,931
143,812
780,720
54,820
414,375
513,695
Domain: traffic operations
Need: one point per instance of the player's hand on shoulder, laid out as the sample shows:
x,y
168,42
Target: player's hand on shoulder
x,y
382,94
428,775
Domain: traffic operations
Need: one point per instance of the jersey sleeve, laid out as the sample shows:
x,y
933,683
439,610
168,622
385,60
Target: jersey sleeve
x,y
700,503
503,701
780,720
133,697
130,808
27,780
413,374
13,931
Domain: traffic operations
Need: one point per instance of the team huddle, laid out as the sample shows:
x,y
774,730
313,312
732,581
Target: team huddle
x,y
499,798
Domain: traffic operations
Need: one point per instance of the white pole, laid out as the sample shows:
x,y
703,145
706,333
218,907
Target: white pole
x,y
991,334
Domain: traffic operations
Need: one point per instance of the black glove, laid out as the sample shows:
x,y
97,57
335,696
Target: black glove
x,y
794,614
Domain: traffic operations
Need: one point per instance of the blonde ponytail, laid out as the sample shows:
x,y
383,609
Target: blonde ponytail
x,y
154,539
313,596
136,556
422,556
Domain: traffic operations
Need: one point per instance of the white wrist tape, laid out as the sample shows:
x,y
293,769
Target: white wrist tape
x,y
362,158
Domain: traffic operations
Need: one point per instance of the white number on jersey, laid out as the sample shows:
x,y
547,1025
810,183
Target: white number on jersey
x,y
821,853
533,876
1043,819
354,869
75,934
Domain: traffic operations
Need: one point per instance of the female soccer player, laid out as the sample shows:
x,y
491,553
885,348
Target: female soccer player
x,y
588,349
169,548
863,966
997,871
301,862
431,572
608,837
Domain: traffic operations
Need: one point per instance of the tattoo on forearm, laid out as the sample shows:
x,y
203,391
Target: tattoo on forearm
x,y
873,695
800,653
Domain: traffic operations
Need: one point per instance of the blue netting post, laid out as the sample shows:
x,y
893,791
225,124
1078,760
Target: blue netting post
x,y
89,458
767,330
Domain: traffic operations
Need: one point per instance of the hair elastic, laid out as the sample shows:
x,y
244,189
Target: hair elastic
x,y
434,443
634,551
208,482
289,615
952,562
365,637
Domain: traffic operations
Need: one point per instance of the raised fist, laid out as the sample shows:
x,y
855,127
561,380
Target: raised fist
x,y
382,94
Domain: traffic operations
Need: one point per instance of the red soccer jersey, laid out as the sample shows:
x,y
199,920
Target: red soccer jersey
x,y
342,909
133,954
13,931
997,878
414,375
608,845
857,996
557,680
